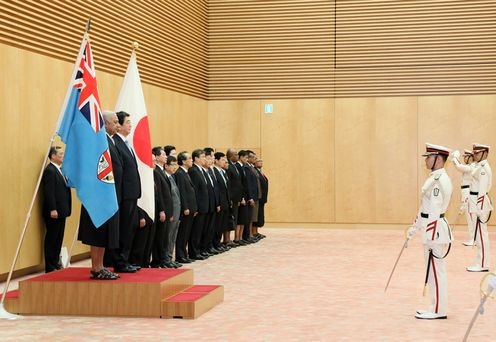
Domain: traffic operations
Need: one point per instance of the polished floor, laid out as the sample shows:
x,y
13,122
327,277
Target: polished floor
x,y
301,285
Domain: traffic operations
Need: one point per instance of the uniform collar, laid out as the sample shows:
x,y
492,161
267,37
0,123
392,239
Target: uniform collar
x,y
438,172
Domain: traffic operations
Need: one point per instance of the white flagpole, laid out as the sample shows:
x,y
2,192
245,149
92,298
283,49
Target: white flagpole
x,y
4,314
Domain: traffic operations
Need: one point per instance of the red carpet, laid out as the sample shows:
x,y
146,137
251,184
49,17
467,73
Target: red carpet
x,y
201,288
82,274
186,297
11,294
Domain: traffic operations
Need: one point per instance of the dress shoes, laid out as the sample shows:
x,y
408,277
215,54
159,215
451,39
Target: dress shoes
x,y
213,251
206,254
137,267
240,242
468,243
477,269
231,244
184,261
177,264
199,257
421,314
247,241
125,269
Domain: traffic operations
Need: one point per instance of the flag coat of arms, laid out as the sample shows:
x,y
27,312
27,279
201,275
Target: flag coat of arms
x,y
132,101
87,164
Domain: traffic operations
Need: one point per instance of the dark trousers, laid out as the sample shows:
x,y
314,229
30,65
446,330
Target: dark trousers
x,y
158,255
142,244
221,226
183,235
128,223
208,232
246,229
196,235
53,242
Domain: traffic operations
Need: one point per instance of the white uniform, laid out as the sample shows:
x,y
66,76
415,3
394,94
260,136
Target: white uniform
x,y
465,193
436,236
480,208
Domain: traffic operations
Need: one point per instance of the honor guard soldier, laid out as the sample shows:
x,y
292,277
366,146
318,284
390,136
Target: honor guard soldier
x,y
480,207
436,233
466,169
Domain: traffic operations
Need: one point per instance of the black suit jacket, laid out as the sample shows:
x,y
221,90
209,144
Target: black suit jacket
x,y
163,198
244,184
216,190
225,200
251,183
201,189
56,194
116,168
131,183
186,191
235,184
264,185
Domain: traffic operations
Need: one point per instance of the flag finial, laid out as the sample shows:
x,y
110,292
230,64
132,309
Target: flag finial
x,y
88,25
135,46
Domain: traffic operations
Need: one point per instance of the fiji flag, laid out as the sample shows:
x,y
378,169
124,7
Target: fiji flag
x,y
87,163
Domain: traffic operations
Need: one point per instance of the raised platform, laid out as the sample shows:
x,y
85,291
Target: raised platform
x,y
71,292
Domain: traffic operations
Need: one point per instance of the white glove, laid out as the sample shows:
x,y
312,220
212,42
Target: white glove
x,y
455,154
491,285
410,233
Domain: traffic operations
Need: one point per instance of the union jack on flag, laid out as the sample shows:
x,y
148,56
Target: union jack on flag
x,y
89,100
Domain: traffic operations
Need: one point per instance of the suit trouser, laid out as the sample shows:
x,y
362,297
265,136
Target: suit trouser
x,y
53,242
483,258
437,282
208,232
158,255
183,234
142,244
196,235
221,226
246,229
128,223
170,239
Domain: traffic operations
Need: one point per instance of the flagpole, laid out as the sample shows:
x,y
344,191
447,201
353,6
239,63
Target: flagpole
x,y
4,314
72,248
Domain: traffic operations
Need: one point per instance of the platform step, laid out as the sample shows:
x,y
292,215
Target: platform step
x,y
193,301
12,301
72,292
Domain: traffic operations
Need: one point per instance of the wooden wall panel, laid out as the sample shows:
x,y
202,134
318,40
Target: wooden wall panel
x,y
299,160
234,124
376,163
422,47
456,122
270,49
172,36
29,107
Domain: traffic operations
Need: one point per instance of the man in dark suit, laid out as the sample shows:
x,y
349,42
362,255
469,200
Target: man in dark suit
x,y
163,210
171,229
189,207
264,187
206,245
131,192
255,192
199,178
56,208
235,193
224,203
106,237
170,150
245,209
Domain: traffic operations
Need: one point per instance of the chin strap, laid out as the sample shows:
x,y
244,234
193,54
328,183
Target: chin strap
x,y
435,161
